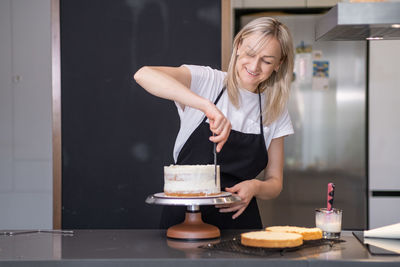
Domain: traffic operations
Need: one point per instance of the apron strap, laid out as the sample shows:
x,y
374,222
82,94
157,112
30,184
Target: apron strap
x,y
216,101
259,102
261,118
219,96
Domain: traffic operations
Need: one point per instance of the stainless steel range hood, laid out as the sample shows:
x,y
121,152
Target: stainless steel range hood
x,y
359,21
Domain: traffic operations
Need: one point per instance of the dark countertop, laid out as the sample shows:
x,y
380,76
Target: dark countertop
x,y
152,248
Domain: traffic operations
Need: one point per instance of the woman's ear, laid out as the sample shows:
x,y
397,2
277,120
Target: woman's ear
x,y
278,66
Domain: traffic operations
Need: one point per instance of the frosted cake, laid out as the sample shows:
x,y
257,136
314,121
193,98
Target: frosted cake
x,y
191,180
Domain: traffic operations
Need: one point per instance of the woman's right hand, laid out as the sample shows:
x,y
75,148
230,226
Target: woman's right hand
x,y
219,125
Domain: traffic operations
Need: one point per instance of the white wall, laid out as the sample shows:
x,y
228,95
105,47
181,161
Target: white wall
x,y
25,115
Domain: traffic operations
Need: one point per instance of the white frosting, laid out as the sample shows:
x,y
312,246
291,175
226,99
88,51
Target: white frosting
x,y
191,179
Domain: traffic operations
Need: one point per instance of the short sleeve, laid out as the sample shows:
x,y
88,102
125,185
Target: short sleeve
x,y
205,81
283,125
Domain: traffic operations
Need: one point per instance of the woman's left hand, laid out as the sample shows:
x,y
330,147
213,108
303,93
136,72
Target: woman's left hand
x,y
246,191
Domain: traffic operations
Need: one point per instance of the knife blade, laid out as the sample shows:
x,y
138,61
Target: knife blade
x,y
215,162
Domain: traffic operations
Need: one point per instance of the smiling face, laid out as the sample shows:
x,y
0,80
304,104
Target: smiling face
x,y
255,64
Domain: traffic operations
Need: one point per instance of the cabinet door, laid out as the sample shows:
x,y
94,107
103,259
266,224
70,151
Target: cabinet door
x,y
383,211
384,126
384,110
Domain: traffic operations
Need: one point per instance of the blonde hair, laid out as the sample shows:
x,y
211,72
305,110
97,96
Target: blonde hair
x,y
277,86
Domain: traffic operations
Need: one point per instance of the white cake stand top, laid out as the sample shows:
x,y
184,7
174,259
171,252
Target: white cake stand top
x,y
222,198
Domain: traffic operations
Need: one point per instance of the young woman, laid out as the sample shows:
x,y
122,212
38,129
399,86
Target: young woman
x,y
243,111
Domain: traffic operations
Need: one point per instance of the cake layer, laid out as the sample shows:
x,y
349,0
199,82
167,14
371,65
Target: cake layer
x,y
267,239
307,233
191,180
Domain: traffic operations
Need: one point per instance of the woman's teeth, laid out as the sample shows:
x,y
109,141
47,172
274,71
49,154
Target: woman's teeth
x,y
250,72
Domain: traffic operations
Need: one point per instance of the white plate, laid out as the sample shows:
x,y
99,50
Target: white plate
x,y
222,194
222,198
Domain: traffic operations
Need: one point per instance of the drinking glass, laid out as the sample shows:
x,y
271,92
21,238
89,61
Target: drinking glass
x,y
329,221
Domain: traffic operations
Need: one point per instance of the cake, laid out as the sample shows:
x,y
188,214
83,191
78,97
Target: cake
x,y
191,180
307,233
267,239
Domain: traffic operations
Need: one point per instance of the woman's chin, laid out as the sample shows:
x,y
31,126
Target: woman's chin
x,y
248,85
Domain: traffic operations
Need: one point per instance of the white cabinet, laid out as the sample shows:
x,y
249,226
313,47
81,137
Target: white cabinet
x,y
383,211
384,110
384,128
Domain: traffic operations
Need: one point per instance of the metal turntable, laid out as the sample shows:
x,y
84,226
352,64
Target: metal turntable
x,y
193,227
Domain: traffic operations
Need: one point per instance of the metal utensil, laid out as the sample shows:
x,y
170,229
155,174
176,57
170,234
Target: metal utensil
x,y
12,233
215,162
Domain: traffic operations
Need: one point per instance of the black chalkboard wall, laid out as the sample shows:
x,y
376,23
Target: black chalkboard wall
x,y
116,137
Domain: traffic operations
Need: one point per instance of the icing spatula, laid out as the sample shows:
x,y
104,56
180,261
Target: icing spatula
x,y
215,162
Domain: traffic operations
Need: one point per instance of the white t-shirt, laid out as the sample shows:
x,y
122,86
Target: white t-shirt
x,y
208,83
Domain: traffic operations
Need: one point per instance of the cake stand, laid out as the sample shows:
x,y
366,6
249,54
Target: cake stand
x,y
193,227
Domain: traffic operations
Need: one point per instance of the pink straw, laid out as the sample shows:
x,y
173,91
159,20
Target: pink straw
x,y
331,193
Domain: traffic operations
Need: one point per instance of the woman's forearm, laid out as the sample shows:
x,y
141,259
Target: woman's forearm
x,y
160,81
267,189
271,186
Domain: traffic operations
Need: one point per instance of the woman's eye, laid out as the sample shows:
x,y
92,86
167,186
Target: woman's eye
x,y
266,62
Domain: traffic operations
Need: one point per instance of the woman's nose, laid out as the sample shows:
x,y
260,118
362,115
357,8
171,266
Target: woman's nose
x,y
254,63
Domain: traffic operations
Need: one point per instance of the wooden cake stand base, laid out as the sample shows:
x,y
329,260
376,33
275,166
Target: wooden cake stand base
x,y
193,227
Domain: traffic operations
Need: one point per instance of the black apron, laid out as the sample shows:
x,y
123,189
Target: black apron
x,y
242,157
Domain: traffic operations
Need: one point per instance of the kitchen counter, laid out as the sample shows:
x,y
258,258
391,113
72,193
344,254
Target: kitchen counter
x,y
152,248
